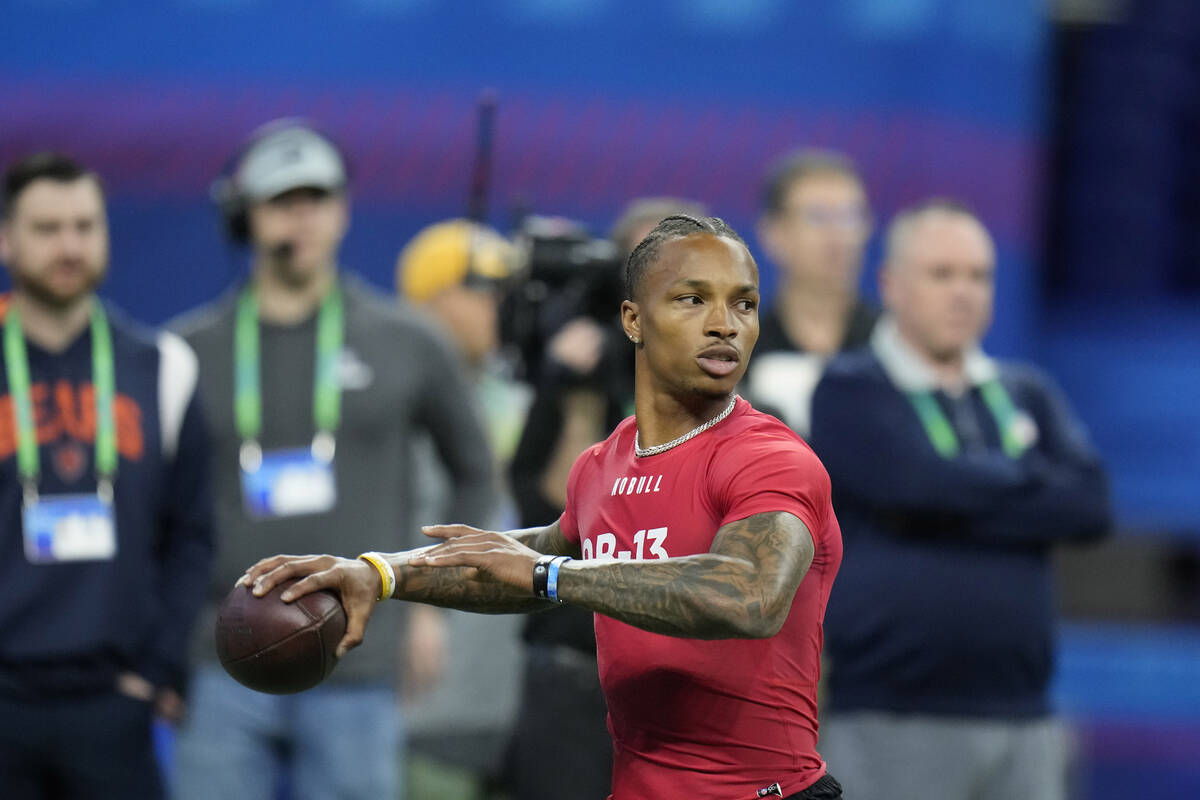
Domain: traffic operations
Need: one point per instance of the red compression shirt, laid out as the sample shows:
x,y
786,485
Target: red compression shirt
x,y
707,719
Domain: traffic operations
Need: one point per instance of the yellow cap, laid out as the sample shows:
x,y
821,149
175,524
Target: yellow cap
x,y
446,254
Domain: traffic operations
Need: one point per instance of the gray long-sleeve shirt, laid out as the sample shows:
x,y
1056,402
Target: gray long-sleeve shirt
x,y
397,376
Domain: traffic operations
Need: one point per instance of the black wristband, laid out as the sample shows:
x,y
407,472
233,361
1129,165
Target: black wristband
x,y
541,576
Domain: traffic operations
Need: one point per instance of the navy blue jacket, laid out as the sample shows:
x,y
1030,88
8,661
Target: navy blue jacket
x,y
945,603
73,626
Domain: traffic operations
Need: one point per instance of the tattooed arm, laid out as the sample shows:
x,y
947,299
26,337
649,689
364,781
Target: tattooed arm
x,y
742,588
465,588
358,583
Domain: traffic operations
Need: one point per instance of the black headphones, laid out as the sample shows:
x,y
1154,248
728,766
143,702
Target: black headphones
x,y
232,203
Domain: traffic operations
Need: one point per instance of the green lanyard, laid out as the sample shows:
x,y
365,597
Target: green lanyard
x,y
247,396
941,433
16,362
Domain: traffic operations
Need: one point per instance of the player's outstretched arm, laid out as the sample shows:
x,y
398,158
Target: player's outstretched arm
x,y
470,588
358,584
742,588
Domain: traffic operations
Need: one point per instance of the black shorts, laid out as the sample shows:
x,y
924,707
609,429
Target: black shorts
x,y
826,788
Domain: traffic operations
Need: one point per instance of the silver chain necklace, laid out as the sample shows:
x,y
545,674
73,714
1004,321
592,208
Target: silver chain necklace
x,y
662,448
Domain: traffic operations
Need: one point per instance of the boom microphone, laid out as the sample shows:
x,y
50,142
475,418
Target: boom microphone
x,y
481,175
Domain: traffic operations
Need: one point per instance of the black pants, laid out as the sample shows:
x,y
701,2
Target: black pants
x,y
561,738
826,788
81,747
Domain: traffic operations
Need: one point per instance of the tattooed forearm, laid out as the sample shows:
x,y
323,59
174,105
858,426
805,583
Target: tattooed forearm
x,y
742,588
453,587
450,587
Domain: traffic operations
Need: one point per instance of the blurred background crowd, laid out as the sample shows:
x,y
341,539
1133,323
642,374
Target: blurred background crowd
x,y
1070,127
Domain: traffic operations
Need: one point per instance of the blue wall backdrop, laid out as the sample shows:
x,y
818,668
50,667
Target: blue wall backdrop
x,y
599,101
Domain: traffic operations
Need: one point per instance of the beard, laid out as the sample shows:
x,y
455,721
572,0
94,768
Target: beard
x,y
46,293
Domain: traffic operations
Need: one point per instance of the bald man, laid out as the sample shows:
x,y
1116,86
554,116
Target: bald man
x,y
954,477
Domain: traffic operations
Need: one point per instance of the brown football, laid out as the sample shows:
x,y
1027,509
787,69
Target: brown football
x,y
277,647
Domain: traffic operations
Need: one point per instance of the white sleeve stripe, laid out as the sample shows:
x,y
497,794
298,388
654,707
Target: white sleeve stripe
x,y
178,371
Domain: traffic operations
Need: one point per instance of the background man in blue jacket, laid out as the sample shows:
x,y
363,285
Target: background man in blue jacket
x,y
954,476
105,505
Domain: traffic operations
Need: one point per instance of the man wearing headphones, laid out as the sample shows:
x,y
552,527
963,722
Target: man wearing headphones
x,y
315,385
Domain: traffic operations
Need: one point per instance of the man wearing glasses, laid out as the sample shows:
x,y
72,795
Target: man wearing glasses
x,y
815,226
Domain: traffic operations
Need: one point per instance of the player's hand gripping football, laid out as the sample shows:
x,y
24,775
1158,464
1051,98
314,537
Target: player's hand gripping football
x,y
488,556
356,583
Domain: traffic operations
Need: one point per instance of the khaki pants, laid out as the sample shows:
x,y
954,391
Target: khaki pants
x,y
886,756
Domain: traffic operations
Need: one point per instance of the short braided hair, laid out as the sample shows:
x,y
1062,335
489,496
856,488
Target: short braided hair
x,y
676,226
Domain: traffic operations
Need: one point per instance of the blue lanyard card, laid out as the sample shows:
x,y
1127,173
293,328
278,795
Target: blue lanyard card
x,y
289,483
70,527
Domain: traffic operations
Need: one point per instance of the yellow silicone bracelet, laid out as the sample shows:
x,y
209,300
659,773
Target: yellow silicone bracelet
x,y
386,581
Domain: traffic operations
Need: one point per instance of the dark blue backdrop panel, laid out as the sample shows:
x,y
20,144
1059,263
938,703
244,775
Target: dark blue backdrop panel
x,y
1133,373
